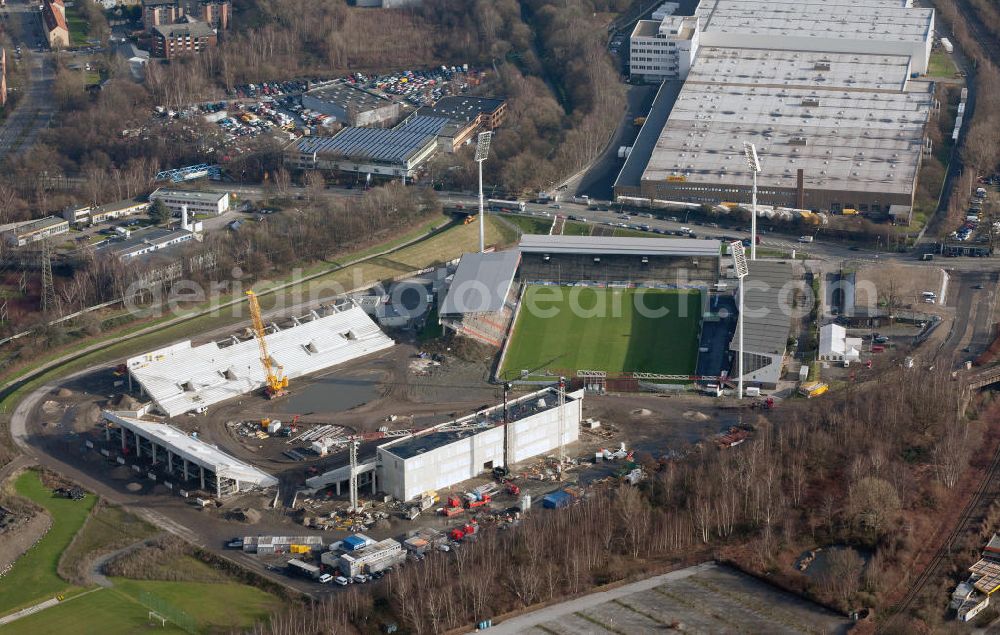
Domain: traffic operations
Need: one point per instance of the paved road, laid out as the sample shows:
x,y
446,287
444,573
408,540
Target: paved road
x,y
522,623
36,106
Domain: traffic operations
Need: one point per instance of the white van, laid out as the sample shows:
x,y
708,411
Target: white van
x,y
805,239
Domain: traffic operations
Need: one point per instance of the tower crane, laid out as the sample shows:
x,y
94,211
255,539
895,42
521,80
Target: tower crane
x,y
276,383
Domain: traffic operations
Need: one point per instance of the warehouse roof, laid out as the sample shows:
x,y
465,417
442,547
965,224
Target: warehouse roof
x,y
141,240
806,69
181,378
199,196
481,283
884,20
462,108
607,245
194,450
766,307
344,94
842,140
397,145
37,225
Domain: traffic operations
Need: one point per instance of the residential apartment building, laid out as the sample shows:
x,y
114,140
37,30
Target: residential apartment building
x,y
196,201
215,13
188,37
660,50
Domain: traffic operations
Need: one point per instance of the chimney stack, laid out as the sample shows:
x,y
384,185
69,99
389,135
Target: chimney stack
x,y
184,217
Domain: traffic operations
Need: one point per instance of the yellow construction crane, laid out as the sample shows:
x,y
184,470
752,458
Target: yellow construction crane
x,y
276,380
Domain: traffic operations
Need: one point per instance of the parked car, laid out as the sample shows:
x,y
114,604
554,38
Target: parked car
x,y
341,581
325,578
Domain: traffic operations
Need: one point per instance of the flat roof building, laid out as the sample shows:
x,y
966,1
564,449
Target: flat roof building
x,y
462,449
370,559
88,215
184,456
488,112
835,26
183,378
196,201
23,233
148,241
664,49
352,106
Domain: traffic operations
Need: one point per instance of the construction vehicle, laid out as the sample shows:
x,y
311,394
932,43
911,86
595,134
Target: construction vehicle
x,y
276,383
638,121
513,489
453,507
476,502
459,533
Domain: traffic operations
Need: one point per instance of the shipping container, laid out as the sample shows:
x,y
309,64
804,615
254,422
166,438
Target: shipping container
x,y
556,500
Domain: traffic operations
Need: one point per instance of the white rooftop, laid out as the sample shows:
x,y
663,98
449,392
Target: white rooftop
x,y
853,141
806,69
181,378
884,20
833,342
194,450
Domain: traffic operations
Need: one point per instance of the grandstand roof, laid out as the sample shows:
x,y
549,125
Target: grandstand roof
x,y
481,283
616,246
194,450
181,378
766,307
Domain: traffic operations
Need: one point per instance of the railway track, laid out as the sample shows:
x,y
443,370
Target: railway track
x,y
978,31
973,513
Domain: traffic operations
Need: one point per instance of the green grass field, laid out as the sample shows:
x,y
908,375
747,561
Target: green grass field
x,y
215,607
33,577
626,340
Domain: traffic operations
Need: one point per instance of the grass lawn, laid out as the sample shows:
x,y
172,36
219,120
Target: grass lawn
x,y
78,28
575,228
33,577
214,607
529,224
623,340
941,65
109,528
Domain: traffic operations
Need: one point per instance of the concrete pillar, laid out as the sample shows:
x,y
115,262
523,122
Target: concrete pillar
x,y
218,486
107,432
153,445
202,476
170,462
138,446
338,488
186,476
123,438
373,481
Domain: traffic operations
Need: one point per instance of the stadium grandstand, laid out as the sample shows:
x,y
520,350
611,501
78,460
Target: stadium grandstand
x,y
766,323
481,298
184,378
619,260
185,459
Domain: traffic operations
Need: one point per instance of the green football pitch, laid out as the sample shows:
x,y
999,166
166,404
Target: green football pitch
x,y
565,329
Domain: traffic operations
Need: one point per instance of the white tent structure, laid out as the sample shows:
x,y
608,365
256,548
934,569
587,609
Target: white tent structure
x,y
835,346
184,378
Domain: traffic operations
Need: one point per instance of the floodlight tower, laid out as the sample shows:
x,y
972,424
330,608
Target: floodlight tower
x,y
741,269
482,151
750,152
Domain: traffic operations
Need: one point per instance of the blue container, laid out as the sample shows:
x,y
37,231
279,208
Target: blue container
x,y
556,500
353,543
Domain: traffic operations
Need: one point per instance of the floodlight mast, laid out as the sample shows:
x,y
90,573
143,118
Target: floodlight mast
x,y
482,151
741,269
750,152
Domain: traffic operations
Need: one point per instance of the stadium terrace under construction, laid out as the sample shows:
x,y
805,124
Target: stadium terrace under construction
x,y
185,378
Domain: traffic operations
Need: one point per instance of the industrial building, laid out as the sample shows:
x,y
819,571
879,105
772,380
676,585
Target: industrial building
x,y
566,259
196,201
663,49
767,322
266,545
89,215
185,378
352,106
486,112
178,454
821,88
148,241
835,346
887,27
480,299
374,152
23,233
467,447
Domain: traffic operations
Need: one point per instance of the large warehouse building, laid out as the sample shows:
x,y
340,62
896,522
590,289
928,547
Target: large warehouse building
x,y
821,88
439,459
605,259
184,378
196,464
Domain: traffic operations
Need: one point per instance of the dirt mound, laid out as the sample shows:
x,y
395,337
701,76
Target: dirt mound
x,y
134,487
64,392
694,415
641,412
244,515
382,524
50,407
126,402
